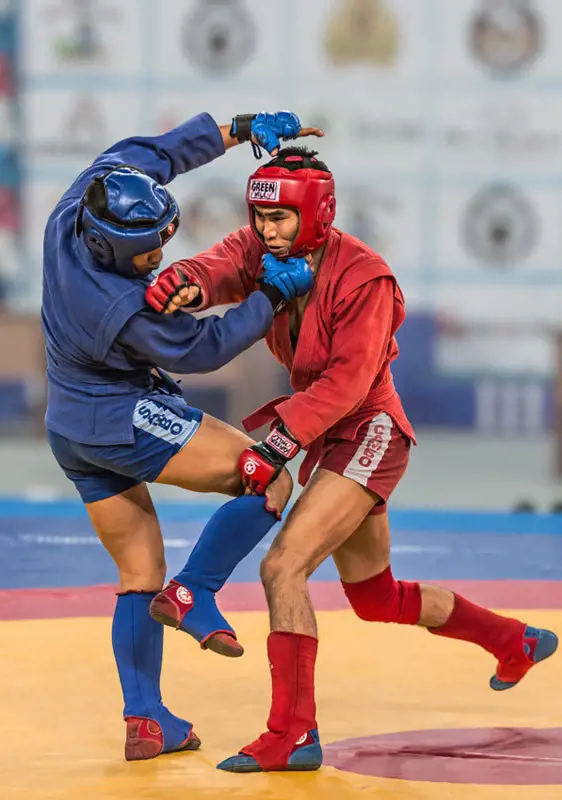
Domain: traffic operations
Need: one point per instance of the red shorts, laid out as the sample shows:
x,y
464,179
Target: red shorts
x,y
377,457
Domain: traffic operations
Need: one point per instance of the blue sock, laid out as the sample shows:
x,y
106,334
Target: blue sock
x,y
137,646
232,532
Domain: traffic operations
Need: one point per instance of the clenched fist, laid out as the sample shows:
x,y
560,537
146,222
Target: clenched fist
x,y
173,289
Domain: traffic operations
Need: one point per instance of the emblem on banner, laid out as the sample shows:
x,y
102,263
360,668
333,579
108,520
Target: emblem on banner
x,y
80,36
506,35
362,31
218,36
500,225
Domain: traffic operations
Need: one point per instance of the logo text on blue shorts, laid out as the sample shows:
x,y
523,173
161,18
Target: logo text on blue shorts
x,y
163,423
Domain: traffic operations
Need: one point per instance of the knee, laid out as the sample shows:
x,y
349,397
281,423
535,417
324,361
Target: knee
x,y
270,569
147,577
278,566
282,566
384,599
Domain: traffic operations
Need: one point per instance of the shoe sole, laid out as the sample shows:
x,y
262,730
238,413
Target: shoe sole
x,y
224,645
220,643
288,768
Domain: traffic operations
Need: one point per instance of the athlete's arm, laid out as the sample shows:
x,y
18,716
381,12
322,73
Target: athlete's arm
x,y
225,273
183,344
195,142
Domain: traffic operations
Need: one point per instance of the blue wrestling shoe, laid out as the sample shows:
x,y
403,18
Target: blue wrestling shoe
x,y
194,611
306,756
538,644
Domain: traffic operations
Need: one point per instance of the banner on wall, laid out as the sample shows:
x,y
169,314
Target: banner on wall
x,y
443,128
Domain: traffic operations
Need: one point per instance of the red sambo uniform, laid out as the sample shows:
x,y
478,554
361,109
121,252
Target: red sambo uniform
x,y
348,416
345,411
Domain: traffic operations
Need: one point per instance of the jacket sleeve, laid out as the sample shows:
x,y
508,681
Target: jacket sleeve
x,y
184,344
362,330
227,271
192,144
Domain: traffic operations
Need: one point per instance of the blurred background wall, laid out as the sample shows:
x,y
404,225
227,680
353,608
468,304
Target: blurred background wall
x,y
443,123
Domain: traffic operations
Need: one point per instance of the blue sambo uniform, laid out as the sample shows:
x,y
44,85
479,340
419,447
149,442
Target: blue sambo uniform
x,y
111,422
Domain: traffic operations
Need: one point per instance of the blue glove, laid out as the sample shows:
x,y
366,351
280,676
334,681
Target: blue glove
x,y
268,129
292,277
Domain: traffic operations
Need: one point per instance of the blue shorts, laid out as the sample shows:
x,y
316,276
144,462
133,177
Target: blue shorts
x,y
101,471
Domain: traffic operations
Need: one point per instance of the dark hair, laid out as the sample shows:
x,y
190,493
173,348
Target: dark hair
x,y
306,156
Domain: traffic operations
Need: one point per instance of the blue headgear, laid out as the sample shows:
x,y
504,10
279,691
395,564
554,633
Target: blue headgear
x,y
123,214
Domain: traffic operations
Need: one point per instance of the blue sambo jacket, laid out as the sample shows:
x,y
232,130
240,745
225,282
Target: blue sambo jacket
x,y
102,340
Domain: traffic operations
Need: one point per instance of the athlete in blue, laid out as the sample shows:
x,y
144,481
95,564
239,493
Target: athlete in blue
x,y
116,421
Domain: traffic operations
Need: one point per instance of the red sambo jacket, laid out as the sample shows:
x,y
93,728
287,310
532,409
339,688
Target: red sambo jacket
x,y
340,371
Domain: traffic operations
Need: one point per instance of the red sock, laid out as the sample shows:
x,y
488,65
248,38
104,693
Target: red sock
x,y
292,657
501,636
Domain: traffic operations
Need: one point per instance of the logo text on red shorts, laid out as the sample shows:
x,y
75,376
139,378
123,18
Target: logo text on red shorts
x,y
372,446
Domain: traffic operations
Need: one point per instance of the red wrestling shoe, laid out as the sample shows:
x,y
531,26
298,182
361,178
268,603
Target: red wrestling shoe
x,y
537,645
145,739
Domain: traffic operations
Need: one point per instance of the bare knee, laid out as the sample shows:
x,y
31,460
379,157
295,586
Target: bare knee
x,y
269,570
144,576
280,566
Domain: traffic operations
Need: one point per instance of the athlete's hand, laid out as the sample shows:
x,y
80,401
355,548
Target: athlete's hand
x,y
268,130
293,277
261,463
171,290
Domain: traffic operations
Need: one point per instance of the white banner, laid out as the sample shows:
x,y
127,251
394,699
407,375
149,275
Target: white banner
x,y
443,125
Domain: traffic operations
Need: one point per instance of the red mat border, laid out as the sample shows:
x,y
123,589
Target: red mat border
x,y
99,601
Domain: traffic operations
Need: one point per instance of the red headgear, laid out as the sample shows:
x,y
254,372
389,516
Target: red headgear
x,y
308,191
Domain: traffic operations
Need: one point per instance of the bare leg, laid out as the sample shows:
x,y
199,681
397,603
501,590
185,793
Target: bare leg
x,y
209,463
327,512
128,528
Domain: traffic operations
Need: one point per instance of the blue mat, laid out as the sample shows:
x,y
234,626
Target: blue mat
x,y
52,544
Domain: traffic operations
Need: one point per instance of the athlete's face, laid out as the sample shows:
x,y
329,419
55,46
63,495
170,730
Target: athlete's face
x,y
278,228
148,262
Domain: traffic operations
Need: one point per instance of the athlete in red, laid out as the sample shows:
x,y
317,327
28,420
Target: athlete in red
x,y
337,343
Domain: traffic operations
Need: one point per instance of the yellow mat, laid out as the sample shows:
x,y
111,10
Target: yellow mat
x,y
63,733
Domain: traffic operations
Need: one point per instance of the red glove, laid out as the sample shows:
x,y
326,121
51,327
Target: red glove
x,y
261,463
166,285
